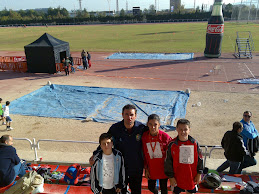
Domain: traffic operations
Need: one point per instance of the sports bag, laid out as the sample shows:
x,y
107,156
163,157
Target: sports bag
x,y
72,174
30,183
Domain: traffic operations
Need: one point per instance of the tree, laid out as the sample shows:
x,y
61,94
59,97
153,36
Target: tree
x,y
82,14
14,15
228,8
152,9
145,11
198,9
122,13
64,12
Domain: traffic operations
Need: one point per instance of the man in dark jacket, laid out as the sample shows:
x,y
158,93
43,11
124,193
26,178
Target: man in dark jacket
x,y
234,148
10,165
127,139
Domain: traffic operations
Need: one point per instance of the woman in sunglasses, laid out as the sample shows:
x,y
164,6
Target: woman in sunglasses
x,y
250,136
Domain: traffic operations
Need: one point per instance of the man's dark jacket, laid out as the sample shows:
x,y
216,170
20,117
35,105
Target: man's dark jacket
x,y
233,145
130,145
8,159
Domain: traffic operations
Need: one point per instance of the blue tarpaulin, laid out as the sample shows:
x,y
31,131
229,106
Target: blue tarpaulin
x,y
249,81
153,56
101,104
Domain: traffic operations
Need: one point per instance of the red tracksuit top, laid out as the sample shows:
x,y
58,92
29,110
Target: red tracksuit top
x,y
183,168
155,153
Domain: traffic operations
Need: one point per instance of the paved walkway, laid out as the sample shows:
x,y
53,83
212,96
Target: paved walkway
x,y
200,74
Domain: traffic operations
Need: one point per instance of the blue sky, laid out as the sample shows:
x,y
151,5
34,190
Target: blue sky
x,y
97,5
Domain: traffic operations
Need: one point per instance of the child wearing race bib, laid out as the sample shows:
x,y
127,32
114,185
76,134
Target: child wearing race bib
x,y
184,164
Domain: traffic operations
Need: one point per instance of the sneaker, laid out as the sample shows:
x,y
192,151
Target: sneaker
x,y
4,123
9,128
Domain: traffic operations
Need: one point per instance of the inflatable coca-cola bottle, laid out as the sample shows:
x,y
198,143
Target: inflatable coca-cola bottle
x,y
215,30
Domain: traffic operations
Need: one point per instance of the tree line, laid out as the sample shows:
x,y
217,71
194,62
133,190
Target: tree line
x,y
61,15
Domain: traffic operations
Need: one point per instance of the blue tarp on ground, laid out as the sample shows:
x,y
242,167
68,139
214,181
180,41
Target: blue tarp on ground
x,y
101,104
249,81
153,56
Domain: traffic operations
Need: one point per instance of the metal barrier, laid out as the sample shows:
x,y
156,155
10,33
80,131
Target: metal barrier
x,y
36,146
20,66
215,147
25,139
211,149
111,22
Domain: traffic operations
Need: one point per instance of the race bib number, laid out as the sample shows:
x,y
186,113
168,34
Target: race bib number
x,y
186,155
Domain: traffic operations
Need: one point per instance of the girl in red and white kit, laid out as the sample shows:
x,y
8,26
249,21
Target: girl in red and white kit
x,y
155,143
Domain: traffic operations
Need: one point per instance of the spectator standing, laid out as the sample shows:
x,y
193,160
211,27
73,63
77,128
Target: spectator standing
x,y
127,139
249,134
155,144
1,112
83,55
108,171
66,65
7,116
89,60
184,164
10,165
72,64
234,148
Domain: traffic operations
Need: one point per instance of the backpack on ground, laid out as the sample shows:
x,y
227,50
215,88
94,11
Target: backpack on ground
x,y
72,174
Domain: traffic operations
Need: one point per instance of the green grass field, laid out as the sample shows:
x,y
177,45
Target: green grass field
x,y
169,38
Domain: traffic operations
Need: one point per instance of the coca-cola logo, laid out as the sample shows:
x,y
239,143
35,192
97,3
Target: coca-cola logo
x,y
215,28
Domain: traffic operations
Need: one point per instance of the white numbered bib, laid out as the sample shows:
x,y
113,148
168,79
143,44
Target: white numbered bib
x,y
186,155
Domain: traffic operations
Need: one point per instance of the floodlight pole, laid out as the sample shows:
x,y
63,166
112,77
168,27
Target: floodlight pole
x,y
109,6
117,6
80,5
249,11
256,10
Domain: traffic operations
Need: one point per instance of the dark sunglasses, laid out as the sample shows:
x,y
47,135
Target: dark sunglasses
x,y
247,116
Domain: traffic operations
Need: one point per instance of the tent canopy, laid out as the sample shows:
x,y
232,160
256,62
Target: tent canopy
x,y
43,54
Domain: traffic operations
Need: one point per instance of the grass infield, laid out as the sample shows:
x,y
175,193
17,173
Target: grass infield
x,y
160,38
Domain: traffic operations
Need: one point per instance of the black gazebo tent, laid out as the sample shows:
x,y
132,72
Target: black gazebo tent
x,y
44,53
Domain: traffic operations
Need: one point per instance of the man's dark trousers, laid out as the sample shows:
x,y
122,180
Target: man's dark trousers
x,y
134,184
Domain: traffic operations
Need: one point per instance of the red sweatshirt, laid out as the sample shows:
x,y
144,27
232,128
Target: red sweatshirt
x,y
154,149
183,162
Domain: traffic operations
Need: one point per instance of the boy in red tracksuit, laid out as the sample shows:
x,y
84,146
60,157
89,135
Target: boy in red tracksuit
x,y
184,164
155,144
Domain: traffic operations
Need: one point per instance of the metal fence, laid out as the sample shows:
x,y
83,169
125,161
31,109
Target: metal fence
x,y
35,146
108,22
